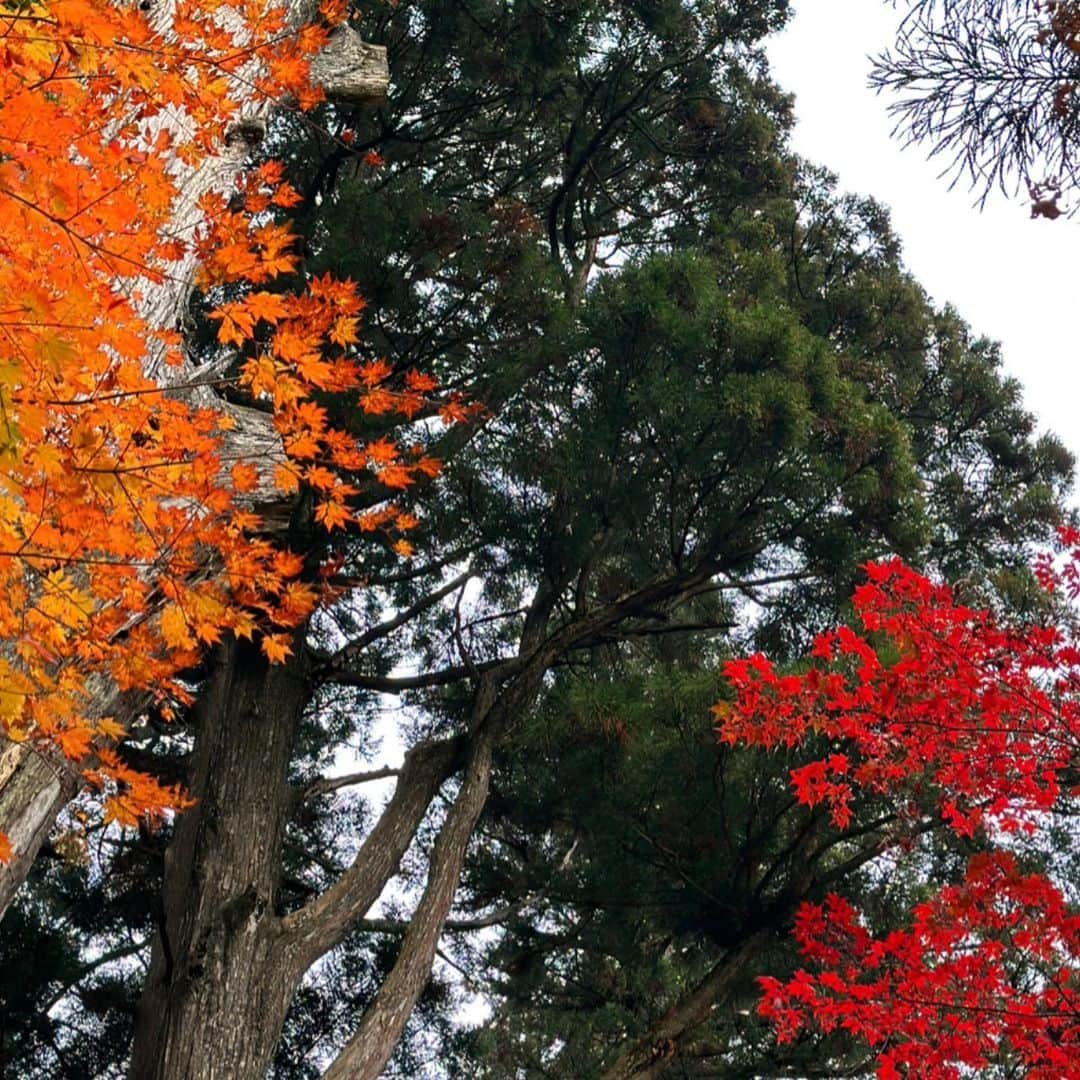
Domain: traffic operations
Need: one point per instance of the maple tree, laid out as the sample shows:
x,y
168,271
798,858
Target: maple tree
x,y
959,716
128,541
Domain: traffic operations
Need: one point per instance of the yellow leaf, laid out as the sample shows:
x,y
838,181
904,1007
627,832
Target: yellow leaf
x,y
116,810
62,600
174,628
110,728
56,351
13,691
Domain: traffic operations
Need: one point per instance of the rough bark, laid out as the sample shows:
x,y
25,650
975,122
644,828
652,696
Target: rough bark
x,y
225,965
33,790
214,998
350,70
36,785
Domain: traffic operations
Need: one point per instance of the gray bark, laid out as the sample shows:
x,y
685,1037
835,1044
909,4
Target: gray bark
x,y
34,788
350,70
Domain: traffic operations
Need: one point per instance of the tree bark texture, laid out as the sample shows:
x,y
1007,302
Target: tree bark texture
x,y
225,965
33,790
214,998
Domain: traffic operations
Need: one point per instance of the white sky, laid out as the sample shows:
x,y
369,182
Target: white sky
x,y
1009,276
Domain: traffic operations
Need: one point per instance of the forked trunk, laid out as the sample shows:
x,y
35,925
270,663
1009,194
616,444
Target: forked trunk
x,y
225,965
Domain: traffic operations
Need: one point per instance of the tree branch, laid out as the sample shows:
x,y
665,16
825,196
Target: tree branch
x,y
349,653
477,922
320,924
328,784
398,684
651,1055
368,1051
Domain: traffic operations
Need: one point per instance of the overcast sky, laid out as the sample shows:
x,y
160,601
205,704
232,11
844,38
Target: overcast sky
x,y
1011,278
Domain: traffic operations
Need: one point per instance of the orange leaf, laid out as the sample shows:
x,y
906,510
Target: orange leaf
x,y
276,647
332,515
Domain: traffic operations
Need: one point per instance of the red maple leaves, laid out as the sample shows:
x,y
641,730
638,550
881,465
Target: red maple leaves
x,y
940,709
980,712
988,972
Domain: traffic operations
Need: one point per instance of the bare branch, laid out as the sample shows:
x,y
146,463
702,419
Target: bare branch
x,y
398,684
371,1046
989,88
410,573
321,923
347,655
329,784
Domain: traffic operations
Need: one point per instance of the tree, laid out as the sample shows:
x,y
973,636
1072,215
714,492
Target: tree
x,y
599,514
991,87
122,482
687,859
945,711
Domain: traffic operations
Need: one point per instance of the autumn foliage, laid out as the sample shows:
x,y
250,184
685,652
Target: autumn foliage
x,y
127,538
943,713
987,972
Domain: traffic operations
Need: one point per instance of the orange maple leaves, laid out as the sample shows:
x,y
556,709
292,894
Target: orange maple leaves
x,y
125,546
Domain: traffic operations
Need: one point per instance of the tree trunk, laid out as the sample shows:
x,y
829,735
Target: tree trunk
x,y
224,965
648,1058
365,1055
35,786
220,979
33,791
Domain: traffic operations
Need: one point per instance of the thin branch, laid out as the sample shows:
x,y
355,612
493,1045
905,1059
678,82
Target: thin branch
x,y
320,924
90,967
398,684
346,655
479,922
328,784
